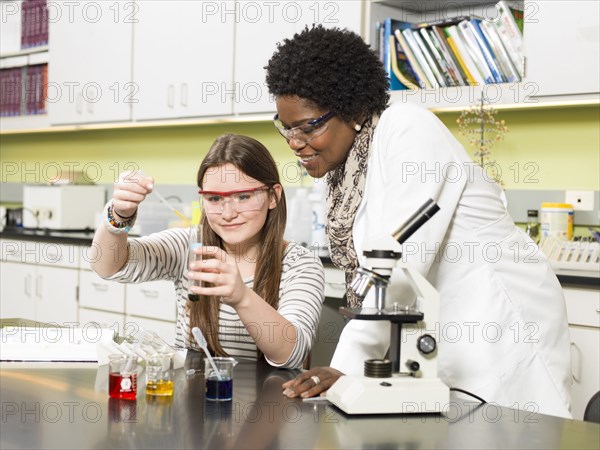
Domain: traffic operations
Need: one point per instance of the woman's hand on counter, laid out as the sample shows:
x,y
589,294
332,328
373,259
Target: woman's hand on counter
x,y
312,382
129,192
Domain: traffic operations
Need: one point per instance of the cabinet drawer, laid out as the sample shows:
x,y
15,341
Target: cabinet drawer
x,y
585,363
583,306
94,292
101,319
43,253
155,299
335,283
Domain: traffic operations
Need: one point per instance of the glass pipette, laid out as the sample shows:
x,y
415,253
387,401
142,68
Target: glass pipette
x,y
171,207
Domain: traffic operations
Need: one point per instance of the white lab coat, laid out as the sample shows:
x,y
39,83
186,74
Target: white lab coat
x,y
503,330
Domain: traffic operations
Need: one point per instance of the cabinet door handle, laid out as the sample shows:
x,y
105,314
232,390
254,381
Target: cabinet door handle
x,y
336,283
171,96
575,362
28,285
38,286
184,94
79,103
100,287
149,293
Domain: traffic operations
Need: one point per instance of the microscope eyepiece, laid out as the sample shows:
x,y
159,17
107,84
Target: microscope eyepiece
x,y
414,222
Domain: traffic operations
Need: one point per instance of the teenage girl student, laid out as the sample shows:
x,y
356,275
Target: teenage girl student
x,y
258,295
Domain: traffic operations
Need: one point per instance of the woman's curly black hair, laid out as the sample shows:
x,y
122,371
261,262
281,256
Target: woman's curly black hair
x,y
333,68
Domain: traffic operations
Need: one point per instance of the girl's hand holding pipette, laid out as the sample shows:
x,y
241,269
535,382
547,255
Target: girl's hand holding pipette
x,y
131,189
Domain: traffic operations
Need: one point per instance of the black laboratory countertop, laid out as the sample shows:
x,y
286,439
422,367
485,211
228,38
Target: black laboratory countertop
x,y
84,237
59,406
71,237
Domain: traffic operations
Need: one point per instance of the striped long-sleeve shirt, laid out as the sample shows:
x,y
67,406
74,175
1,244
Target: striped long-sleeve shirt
x,y
163,256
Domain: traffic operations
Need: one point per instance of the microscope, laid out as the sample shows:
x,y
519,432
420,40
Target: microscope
x,y
408,381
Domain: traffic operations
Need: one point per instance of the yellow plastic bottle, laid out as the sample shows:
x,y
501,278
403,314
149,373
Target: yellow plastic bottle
x,y
557,221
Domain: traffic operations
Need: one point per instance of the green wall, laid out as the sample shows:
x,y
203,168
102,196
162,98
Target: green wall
x,y
170,154
544,149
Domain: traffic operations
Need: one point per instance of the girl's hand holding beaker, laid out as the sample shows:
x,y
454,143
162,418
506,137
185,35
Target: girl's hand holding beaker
x,y
219,269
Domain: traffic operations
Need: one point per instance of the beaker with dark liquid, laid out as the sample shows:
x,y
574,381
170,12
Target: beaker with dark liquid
x,y
219,385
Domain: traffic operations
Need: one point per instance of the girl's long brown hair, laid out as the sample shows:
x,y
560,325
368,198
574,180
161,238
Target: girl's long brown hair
x,y
254,160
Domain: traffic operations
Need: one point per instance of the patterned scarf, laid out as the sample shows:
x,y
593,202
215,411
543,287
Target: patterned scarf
x,y
346,188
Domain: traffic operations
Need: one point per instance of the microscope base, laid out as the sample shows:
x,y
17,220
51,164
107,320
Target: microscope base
x,y
356,394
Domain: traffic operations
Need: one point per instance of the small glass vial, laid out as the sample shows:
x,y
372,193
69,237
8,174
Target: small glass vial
x,y
533,225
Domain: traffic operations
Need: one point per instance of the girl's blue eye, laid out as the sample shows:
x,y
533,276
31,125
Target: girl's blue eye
x,y
213,198
243,197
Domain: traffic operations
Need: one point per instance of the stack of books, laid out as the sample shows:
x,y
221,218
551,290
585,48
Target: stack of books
x,y
34,23
459,51
10,92
23,90
35,89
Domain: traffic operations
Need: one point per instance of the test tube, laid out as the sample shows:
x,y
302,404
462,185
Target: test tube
x,y
195,241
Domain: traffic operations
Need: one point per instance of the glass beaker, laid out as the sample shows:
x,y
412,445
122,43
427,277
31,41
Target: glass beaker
x,y
160,374
219,386
122,376
195,241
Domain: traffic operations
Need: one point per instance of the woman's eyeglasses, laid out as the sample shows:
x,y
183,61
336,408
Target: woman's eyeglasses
x,y
304,133
242,200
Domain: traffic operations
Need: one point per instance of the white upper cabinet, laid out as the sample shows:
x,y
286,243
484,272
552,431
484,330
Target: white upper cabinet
x,y
562,43
257,34
183,59
339,13
90,62
10,31
261,25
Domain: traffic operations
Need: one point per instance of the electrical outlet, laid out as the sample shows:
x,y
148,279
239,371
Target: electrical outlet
x,y
581,200
45,214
